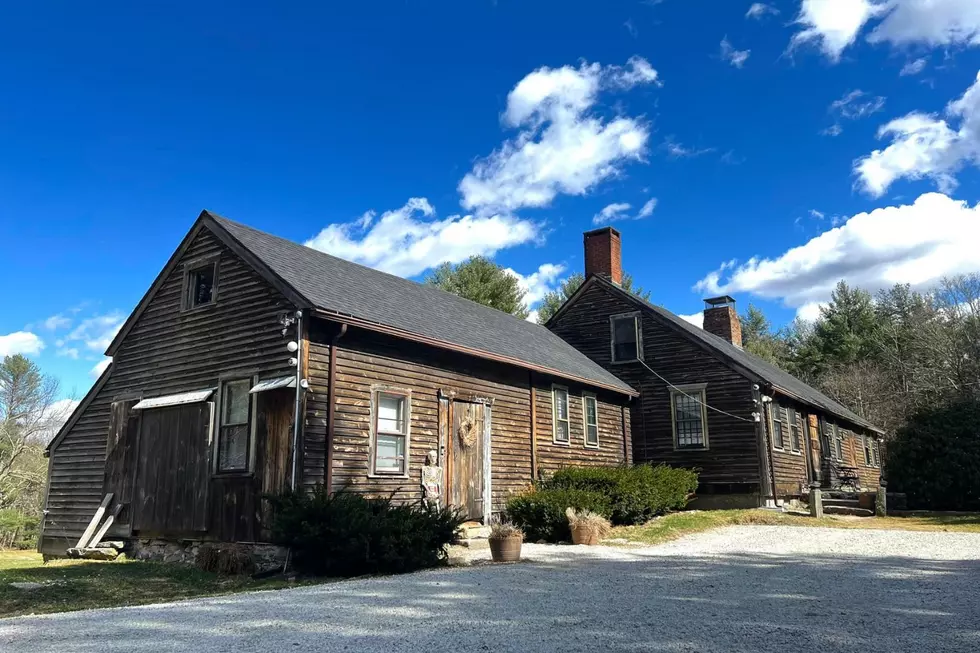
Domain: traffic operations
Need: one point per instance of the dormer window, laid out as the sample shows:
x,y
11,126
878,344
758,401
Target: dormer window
x,y
199,284
627,342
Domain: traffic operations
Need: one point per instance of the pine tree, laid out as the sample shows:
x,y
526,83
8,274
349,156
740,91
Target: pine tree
x,y
554,299
481,280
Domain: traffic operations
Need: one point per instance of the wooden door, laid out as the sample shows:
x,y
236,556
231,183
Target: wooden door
x,y
174,470
274,436
122,448
469,459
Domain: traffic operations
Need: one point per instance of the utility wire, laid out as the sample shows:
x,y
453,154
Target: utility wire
x,y
671,385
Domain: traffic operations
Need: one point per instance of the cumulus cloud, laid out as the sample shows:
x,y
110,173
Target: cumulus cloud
x,y
100,367
697,319
409,240
96,332
735,57
925,146
20,342
760,10
563,145
916,243
537,284
834,25
914,67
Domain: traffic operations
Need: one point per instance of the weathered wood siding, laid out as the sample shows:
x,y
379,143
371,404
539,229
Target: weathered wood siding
x,y
366,361
170,351
732,454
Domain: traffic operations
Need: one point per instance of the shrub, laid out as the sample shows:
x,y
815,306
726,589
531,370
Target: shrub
x,y
636,494
348,534
935,458
541,513
230,559
502,531
592,523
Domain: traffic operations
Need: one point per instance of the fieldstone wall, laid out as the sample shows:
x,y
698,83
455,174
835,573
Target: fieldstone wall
x,y
267,557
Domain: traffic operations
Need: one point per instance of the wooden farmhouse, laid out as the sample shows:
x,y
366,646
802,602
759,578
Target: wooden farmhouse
x,y
758,435
254,364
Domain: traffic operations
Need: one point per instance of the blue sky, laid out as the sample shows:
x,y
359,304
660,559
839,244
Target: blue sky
x,y
786,145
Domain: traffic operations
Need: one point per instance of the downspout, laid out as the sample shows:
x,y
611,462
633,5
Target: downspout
x,y
332,405
299,395
767,481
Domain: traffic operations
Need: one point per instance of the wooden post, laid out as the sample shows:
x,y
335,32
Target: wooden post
x,y
816,500
99,534
534,429
96,520
881,500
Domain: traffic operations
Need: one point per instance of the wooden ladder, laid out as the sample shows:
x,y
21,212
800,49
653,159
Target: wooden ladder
x,y
94,533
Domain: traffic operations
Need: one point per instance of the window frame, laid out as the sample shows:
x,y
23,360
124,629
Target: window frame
x,y
876,450
866,448
638,327
406,396
776,417
795,431
555,389
586,398
700,392
190,268
218,427
838,443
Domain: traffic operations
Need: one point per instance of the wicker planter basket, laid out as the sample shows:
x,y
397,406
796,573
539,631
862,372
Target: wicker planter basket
x,y
506,549
584,534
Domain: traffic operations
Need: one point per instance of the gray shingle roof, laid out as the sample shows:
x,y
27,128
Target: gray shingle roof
x,y
765,371
348,289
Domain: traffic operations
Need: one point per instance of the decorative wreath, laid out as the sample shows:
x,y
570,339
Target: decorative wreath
x,y
467,431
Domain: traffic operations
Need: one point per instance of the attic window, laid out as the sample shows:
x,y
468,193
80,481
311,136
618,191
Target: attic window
x,y
626,340
199,285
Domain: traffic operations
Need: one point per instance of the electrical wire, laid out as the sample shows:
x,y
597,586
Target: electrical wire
x,y
706,405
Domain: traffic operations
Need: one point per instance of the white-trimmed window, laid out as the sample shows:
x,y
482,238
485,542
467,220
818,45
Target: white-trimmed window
x,y
689,417
590,414
234,432
627,341
559,403
392,416
779,422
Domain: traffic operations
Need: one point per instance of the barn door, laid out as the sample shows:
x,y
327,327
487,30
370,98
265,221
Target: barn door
x,y
173,475
469,458
122,447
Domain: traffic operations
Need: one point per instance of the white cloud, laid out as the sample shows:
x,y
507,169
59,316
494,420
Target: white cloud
x,y
735,57
97,332
56,322
20,342
760,10
697,319
810,311
833,130
647,209
611,213
55,416
539,283
925,146
679,151
99,367
408,241
562,146
68,352
917,243
914,67
834,25
856,105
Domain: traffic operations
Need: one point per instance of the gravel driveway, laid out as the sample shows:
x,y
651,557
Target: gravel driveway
x,y
748,588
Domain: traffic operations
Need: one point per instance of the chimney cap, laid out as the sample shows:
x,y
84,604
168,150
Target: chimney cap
x,y
601,230
717,302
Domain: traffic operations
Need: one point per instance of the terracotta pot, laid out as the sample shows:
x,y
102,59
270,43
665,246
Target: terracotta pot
x,y
506,549
582,534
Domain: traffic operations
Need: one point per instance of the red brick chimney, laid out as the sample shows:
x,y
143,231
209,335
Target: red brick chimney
x,y
721,319
603,254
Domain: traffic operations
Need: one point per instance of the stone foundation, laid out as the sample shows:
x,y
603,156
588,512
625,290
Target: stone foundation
x,y
267,557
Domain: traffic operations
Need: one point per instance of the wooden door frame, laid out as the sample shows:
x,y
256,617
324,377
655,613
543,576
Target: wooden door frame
x,y
447,399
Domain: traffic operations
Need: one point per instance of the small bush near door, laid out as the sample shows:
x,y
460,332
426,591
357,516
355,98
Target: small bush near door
x,y
541,513
347,534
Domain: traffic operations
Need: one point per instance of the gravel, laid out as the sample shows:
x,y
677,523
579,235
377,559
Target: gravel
x,y
746,588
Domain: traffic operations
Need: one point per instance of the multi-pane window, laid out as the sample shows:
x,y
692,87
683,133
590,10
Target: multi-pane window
x,y
795,430
559,401
838,443
690,428
591,421
876,453
869,459
234,432
199,286
391,433
625,338
778,426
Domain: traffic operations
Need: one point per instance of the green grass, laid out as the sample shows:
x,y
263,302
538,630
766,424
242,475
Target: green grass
x,y
679,524
81,584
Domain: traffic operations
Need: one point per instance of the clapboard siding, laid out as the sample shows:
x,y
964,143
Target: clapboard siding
x,y
167,351
788,466
365,360
732,454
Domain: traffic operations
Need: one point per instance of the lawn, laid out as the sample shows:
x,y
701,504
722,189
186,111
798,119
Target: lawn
x,y
79,584
679,524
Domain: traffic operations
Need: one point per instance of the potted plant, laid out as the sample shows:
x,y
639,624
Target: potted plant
x,y
505,542
587,527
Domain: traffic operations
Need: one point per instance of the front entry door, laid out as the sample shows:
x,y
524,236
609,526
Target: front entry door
x,y
468,449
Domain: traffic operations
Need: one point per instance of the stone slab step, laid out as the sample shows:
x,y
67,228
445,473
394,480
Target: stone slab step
x,y
846,510
475,543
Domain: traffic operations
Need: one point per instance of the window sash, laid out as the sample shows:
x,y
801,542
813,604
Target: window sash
x,y
868,455
625,338
690,428
590,410
795,439
194,293
778,427
392,418
234,427
562,426
877,453
838,444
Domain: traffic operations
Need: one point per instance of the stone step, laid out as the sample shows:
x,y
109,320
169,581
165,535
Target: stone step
x,y
843,503
475,543
847,510
472,530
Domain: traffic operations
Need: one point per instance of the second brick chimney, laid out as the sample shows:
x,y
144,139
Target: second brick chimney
x,y
603,254
721,319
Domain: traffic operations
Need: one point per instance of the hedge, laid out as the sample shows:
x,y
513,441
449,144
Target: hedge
x,y
541,513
